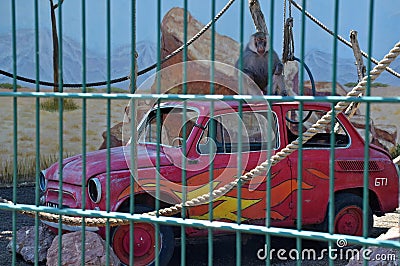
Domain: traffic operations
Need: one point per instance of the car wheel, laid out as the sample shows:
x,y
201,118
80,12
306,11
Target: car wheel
x,y
349,215
144,251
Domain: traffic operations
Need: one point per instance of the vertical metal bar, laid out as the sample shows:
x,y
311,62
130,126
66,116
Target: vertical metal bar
x,y
158,120
15,129
271,43
108,125
133,129
239,184
332,136
239,159
61,128
268,185
37,129
133,166
184,151
269,136
367,127
84,123
300,149
211,147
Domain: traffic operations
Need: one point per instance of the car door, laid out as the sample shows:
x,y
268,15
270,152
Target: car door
x,y
219,143
315,162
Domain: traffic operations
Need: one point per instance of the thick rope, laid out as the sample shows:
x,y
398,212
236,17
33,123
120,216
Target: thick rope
x,y
340,38
259,170
141,72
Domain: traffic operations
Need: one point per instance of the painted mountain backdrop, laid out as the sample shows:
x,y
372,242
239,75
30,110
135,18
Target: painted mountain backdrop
x,y
319,62
96,64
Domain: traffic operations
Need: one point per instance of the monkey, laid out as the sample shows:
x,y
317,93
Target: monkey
x,y
255,64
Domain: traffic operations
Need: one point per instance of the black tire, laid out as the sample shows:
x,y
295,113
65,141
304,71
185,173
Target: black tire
x,y
346,203
349,215
120,234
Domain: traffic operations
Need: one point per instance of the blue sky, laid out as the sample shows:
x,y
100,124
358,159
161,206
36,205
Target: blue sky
x,y
353,14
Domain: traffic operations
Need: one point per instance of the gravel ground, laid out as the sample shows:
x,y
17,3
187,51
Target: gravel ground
x,y
196,253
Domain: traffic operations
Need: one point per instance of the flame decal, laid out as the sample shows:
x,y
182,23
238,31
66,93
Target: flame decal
x,y
197,192
317,173
253,203
225,208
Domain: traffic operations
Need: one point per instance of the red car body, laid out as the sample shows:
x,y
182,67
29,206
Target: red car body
x,y
283,123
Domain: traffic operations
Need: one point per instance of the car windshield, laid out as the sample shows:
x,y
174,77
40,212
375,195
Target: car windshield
x,y
171,129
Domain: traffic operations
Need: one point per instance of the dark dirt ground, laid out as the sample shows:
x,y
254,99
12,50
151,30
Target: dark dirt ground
x,y
196,253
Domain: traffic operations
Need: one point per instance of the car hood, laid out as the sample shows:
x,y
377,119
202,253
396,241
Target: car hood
x,y
96,163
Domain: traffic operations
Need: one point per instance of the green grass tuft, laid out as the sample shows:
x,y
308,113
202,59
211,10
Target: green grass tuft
x,y
374,85
115,90
9,86
102,90
51,105
395,151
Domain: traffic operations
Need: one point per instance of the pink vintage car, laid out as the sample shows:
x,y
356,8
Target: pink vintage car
x,y
185,152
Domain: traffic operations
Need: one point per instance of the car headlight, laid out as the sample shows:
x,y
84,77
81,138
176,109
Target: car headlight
x,y
42,181
94,190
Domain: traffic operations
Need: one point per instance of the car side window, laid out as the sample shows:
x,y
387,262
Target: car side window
x,y
321,139
253,131
169,129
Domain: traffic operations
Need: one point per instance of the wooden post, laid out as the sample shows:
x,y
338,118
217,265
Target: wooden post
x,y
353,107
258,16
357,55
133,81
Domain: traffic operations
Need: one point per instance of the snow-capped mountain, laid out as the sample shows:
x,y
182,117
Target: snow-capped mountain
x,y
96,64
321,65
318,61
121,64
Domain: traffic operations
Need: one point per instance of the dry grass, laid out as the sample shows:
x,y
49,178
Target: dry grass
x,y
26,167
49,132
52,105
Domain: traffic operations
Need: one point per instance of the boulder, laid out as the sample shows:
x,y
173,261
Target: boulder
x,y
25,245
118,135
115,136
71,250
198,72
387,133
381,135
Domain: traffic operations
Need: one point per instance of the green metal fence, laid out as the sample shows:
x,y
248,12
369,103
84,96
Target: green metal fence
x,y
180,222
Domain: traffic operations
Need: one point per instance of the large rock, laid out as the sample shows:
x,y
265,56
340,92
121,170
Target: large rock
x,y
198,73
115,136
387,132
119,135
71,250
383,136
25,245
